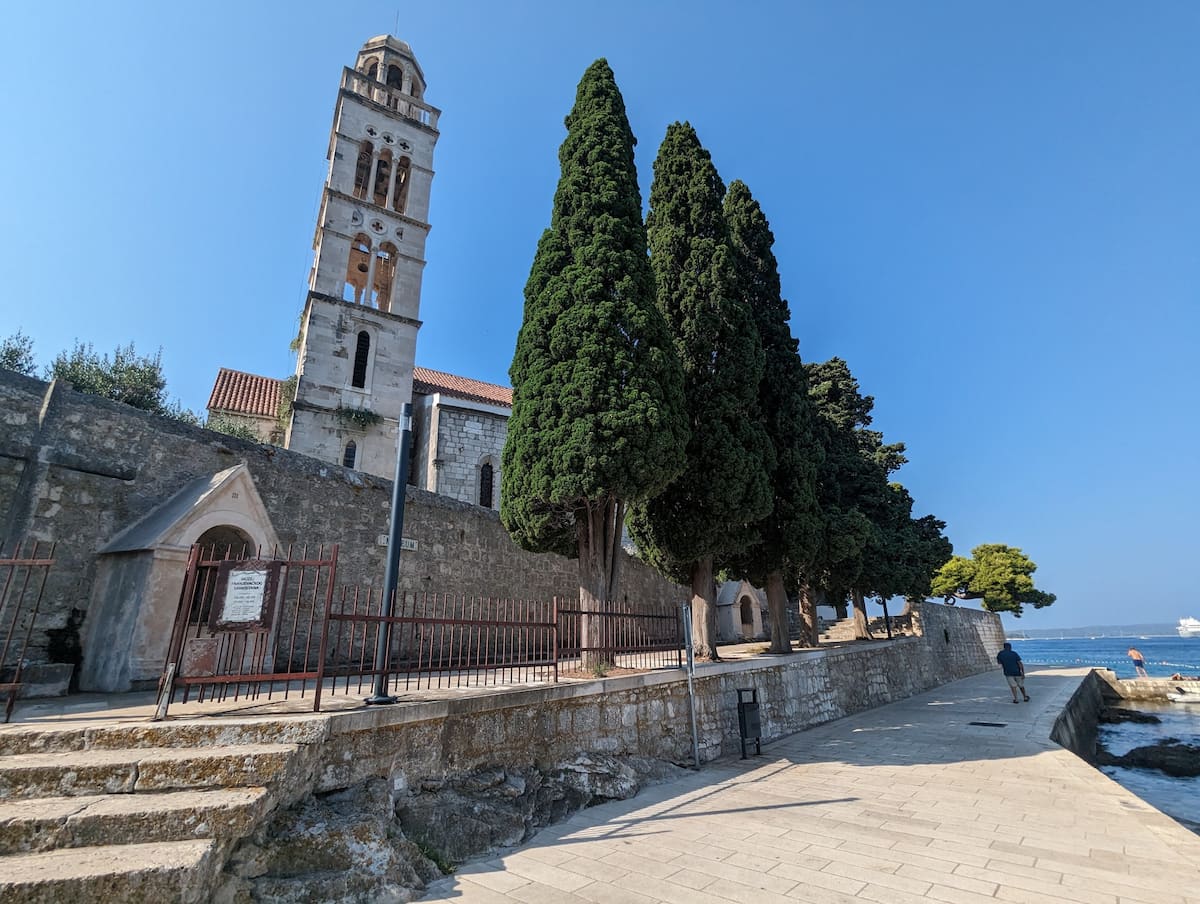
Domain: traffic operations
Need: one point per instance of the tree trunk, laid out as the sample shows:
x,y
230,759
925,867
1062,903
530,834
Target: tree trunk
x,y
599,535
840,609
704,610
777,605
861,631
810,634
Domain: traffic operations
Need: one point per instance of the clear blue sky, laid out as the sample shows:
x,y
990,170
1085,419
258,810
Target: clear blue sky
x,y
992,211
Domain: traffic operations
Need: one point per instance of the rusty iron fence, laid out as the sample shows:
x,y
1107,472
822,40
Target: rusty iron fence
x,y
440,641
218,653
618,636
270,626
23,573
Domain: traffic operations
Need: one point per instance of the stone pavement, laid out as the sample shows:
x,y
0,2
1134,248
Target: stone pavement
x,y
904,803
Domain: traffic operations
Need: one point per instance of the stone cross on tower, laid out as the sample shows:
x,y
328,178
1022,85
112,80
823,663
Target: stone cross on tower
x,y
358,335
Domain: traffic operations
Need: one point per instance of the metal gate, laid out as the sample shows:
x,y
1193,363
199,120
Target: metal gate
x,y
250,625
23,573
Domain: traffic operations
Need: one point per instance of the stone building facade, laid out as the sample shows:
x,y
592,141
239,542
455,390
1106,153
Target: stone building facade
x,y
356,358
358,332
458,431
124,492
459,428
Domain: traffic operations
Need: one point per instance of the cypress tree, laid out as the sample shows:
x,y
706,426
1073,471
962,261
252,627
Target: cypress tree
x,y
710,510
789,536
598,419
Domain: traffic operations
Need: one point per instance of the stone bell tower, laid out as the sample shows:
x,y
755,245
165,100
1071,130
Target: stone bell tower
x,y
358,334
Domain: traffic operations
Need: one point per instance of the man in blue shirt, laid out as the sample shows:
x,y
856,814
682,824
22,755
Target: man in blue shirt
x,y
1014,671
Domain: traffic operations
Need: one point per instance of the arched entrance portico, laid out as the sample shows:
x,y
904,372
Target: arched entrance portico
x,y
140,574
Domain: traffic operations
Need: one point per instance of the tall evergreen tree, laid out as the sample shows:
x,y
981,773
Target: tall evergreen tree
x,y
845,479
789,536
710,511
598,420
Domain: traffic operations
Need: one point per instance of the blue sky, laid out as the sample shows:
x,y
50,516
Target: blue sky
x,y
991,210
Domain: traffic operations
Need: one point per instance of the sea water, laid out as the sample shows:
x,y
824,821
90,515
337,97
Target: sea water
x,y
1165,656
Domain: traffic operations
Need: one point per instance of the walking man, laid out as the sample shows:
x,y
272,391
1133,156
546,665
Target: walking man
x,y
1014,671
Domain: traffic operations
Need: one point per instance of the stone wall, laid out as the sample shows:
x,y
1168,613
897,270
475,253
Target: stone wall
x,y
647,715
466,439
79,469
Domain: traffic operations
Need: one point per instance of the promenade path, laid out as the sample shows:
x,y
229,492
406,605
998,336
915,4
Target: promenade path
x,y
904,803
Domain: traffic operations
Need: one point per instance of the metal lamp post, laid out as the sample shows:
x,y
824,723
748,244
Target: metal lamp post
x,y
383,638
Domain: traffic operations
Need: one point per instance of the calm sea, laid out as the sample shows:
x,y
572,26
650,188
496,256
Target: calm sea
x,y
1165,656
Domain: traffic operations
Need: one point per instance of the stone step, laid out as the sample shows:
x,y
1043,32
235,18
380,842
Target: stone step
x,y
124,771
170,871
19,739
43,824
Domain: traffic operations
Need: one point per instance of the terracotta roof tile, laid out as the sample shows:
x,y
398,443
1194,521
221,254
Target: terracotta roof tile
x,y
243,393
430,381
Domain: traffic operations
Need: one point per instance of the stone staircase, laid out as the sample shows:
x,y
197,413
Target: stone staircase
x,y
139,812
843,629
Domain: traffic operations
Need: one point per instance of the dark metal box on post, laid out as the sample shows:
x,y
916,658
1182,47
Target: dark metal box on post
x,y
749,721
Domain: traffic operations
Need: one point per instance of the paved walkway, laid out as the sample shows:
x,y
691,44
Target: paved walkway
x,y
904,803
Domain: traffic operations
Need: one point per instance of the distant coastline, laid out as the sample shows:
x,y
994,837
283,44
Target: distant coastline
x,y
1155,629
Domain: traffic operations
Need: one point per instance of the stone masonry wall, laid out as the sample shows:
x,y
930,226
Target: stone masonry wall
x,y
79,469
465,440
647,715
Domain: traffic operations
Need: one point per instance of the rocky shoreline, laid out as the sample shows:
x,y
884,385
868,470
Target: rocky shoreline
x,y
1170,756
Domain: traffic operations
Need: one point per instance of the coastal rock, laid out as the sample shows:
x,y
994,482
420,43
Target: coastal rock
x,y
1170,755
1116,714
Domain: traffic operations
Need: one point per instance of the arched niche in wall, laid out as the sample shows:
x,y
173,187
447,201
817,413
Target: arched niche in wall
x,y
140,575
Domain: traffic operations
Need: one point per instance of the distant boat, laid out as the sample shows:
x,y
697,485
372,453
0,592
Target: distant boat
x,y
1189,627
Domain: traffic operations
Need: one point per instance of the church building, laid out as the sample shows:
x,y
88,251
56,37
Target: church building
x,y
356,359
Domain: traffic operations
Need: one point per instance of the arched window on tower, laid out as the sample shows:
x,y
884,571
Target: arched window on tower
x,y
362,169
357,269
373,70
362,352
400,200
383,173
385,275
487,477
350,454
395,77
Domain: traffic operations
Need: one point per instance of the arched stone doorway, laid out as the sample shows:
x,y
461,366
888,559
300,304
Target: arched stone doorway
x,y
747,614
140,575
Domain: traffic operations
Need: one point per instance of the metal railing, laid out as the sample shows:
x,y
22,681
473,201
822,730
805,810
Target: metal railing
x,y
275,654
23,573
440,641
392,98
299,638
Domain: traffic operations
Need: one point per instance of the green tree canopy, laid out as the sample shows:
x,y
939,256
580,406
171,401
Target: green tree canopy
x,y
16,353
598,420
999,575
845,476
713,508
789,537
126,376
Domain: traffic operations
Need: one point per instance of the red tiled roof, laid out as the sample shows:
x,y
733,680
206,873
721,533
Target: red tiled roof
x,y
430,381
243,393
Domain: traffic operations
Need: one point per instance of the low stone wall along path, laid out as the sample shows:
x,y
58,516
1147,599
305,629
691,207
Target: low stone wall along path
x,y
913,801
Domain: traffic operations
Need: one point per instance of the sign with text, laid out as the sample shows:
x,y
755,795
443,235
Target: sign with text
x,y
244,599
408,544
